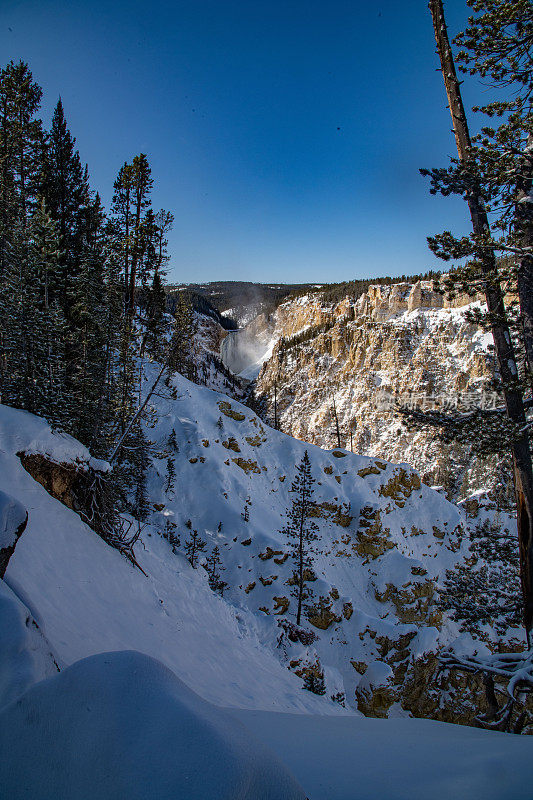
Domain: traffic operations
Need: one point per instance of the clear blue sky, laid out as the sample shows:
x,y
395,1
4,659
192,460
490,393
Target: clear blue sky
x,y
285,137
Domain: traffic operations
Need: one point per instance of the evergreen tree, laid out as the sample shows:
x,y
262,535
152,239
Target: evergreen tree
x,y
482,590
193,547
22,142
171,476
214,568
172,442
300,531
65,187
21,145
89,300
492,172
182,337
170,534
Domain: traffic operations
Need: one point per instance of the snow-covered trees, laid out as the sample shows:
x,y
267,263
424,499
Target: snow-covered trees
x,y
300,532
82,298
483,590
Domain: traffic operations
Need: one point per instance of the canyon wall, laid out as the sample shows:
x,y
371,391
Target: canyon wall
x,y
400,344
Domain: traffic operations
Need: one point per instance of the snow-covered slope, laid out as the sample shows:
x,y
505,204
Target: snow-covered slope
x,y
385,542
88,599
402,759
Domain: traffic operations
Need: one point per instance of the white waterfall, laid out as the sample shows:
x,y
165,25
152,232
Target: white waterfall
x,y
243,354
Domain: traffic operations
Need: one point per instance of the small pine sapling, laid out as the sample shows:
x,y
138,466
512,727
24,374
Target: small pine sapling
x,y
339,698
170,534
214,568
172,442
171,476
193,547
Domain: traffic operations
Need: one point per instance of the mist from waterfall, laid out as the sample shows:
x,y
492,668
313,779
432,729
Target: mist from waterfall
x,y
244,354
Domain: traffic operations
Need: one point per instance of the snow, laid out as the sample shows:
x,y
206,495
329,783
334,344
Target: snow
x,y
69,598
121,725
25,655
89,599
377,674
346,758
12,516
21,431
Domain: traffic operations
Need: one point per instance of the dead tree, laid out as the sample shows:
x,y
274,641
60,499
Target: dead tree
x,y
337,429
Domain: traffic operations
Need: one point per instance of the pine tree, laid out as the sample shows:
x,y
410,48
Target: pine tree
x,y
170,534
482,590
89,299
21,146
45,327
172,442
22,143
182,337
300,531
171,476
214,568
65,187
193,547
492,172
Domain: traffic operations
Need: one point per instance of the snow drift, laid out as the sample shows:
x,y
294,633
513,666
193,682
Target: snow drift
x,y
121,725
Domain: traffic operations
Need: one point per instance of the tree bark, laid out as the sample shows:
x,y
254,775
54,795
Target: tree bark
x,y
522,469
523,216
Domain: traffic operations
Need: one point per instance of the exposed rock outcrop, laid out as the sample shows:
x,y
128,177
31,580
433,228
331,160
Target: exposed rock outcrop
x,y
399,344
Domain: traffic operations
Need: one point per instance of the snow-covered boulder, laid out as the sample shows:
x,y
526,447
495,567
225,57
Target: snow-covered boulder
x,y
375,691
121,725
13,519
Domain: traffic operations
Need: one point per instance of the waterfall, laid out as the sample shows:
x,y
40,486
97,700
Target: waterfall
x,y
243,354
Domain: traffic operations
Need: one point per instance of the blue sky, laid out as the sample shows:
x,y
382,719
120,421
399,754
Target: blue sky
x,y
285,137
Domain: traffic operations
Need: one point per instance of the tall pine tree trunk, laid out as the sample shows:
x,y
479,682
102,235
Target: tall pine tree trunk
x,y
523,216
522,468
300,565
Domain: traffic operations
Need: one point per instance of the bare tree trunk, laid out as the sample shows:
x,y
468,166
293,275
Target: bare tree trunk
x,y
300,565
336,423
523,475
138,412
523,216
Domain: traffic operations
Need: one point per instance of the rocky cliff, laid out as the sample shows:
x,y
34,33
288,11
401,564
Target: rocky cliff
x,y
399,344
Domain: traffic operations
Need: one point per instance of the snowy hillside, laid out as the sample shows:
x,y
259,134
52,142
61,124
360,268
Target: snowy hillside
x,y
385,541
